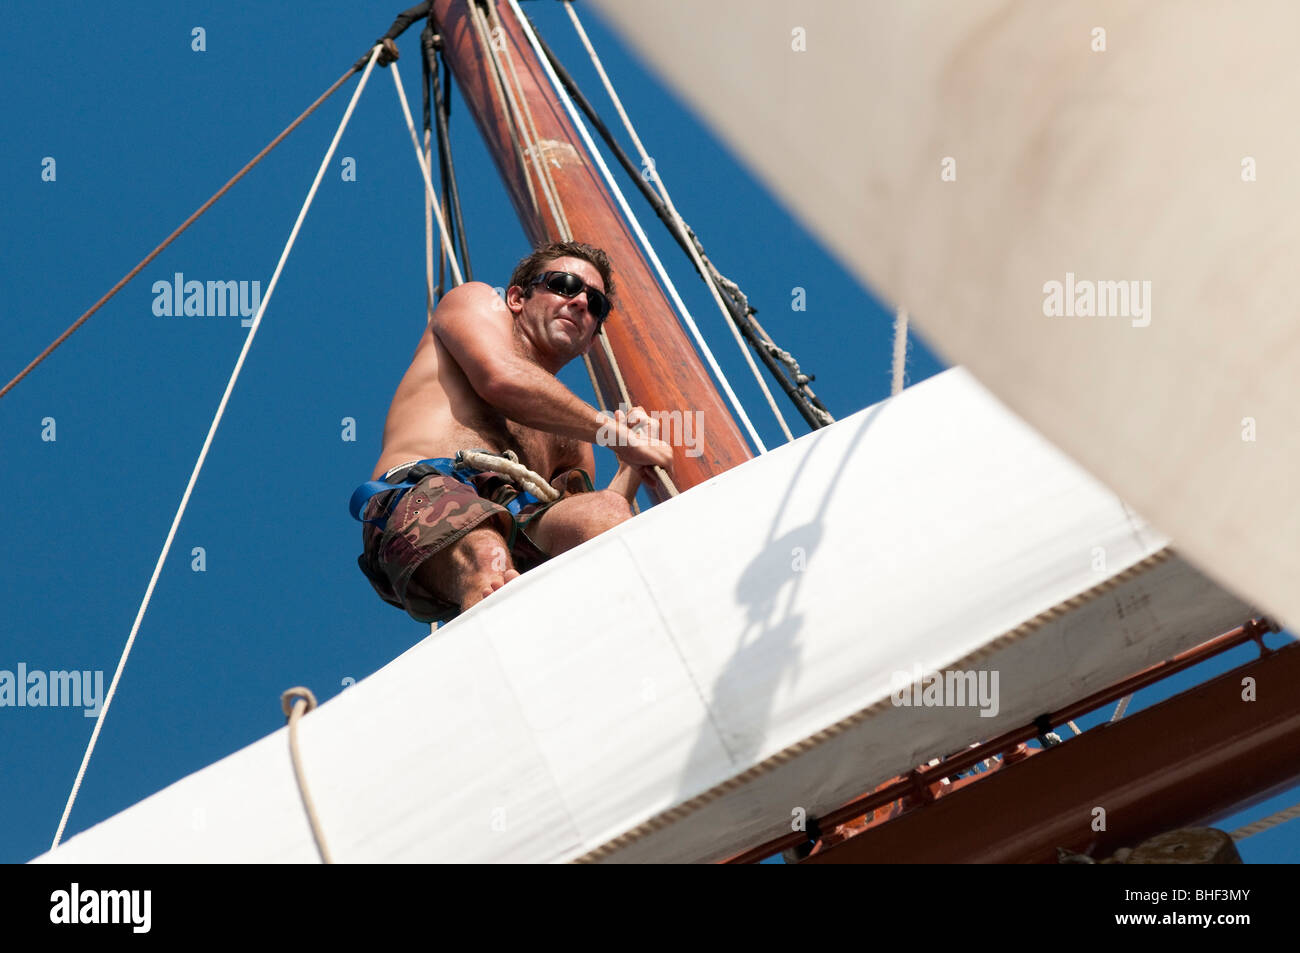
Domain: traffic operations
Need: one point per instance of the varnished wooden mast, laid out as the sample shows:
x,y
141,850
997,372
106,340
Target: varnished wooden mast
x,y
658,364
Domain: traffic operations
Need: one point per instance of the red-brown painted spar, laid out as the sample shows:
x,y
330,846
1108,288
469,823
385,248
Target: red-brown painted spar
x,y
659,366
1192,758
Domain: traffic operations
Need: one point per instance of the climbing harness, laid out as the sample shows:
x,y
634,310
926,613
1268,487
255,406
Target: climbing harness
x,y
463,468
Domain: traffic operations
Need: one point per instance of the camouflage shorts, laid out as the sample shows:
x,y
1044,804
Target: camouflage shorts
x,y
436,513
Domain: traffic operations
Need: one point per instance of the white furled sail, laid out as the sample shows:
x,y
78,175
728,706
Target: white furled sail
x,y
1089,205
729,656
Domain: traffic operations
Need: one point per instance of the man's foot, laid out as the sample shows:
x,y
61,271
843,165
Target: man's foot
x,y
486,587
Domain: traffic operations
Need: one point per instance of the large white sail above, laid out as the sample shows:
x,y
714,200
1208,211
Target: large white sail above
x,y
673,689
959,157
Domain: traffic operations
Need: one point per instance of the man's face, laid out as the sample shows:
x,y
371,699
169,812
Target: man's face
x,y
559,328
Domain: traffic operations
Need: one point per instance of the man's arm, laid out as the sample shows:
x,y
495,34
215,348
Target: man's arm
x,y
473,323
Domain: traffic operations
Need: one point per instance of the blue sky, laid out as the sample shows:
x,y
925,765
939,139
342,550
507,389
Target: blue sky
x,y
142,128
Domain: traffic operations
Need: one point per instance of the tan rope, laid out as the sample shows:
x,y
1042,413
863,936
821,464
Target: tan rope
x,y
678,224
475,16
1120,708
900,352
428,239
520,101
1272,820
296,702
556,203
508,465
180,228
672,815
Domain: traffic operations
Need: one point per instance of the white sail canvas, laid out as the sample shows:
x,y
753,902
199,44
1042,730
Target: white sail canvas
x,y
678,662
1089,205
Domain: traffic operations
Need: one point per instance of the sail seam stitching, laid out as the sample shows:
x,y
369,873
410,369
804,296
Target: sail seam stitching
x,y
667,818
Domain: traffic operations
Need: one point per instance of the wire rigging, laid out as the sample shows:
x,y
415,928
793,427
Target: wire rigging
x,y
532,139
207,442
677,225
431,44
737,307
431,194
646,245
122,282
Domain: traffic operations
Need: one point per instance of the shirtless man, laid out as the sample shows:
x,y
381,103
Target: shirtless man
x,y
483,377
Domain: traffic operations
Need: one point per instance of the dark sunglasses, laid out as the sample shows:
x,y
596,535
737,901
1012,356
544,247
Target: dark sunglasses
x,y
570,286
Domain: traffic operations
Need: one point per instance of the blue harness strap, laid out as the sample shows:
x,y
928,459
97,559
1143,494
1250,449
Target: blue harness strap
x,y
363,494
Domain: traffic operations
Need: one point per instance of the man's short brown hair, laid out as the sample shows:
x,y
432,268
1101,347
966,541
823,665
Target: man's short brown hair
x,y
530,267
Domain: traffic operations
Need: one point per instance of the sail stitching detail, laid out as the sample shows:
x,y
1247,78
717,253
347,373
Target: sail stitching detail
x,y
672,815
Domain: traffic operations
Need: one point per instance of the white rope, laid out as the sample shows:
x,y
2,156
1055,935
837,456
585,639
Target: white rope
x,y
705,272
511,125
900,351
636,227
1121,708
522,119
207,443
431,195
507,464
531,148
428,238
1272,820
297,702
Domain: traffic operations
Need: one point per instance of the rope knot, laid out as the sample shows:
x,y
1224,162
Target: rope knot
x,y
288,699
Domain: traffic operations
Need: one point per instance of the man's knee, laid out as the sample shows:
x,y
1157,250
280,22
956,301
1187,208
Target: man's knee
x,y
482,551
478,556
606,509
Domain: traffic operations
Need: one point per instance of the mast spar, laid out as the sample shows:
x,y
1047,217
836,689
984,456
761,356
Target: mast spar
x,y
657,363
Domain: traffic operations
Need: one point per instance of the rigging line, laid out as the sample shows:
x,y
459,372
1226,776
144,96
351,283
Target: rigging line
x,y
1272,820
179,229
678,224
1121,708
646,245
805,401
442,113
429,292
900,351
497,81
428,182
432,292
820,413
207,442
295,703
553,198
522,120
539,155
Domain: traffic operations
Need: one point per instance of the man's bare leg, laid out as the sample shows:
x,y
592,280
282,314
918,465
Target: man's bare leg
x,y
469,571
576,519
